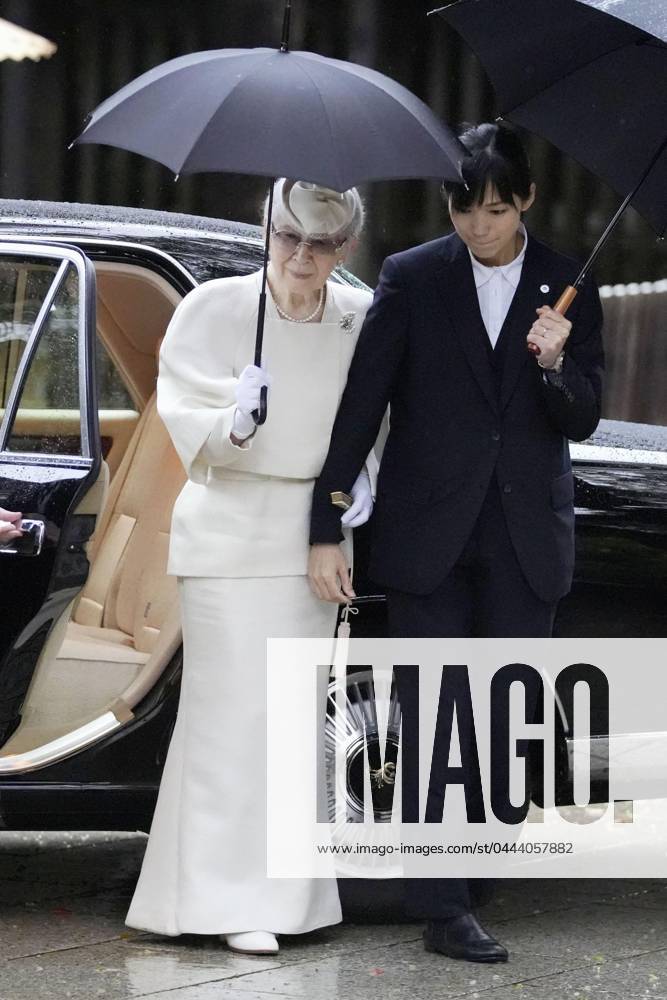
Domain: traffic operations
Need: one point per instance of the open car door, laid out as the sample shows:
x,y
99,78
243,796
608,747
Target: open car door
x,y
49,449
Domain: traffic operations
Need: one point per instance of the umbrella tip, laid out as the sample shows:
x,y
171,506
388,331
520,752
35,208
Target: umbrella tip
x,y
284,44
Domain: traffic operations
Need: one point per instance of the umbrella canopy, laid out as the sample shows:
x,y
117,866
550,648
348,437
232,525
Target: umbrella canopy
x,y
589,75
277,113
649,15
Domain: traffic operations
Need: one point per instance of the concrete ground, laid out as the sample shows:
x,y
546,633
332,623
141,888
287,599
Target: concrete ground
x,y
63,898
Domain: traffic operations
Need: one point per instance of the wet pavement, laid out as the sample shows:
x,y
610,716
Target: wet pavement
x,y
63,899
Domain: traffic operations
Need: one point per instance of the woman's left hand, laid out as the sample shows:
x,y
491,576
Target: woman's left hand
x,y
362,505
549,332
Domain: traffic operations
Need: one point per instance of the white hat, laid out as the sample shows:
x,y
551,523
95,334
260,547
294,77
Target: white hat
x,y
317,211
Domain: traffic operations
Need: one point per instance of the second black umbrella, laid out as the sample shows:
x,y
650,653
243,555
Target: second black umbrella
x,y
588,80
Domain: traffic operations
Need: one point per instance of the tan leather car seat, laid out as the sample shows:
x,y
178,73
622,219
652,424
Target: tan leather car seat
x,y
128,599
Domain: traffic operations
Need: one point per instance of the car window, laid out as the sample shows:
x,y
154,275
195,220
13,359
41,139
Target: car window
x,y
112,393
23,286
48,415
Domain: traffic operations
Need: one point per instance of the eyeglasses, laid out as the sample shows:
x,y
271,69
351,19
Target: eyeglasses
x,y
290,243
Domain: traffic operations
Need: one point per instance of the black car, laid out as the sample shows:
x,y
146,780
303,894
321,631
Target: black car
x,y
90,655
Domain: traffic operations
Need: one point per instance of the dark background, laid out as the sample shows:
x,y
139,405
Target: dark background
x,y
103,44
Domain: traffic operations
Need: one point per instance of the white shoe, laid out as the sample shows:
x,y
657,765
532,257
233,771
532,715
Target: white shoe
x,y
252,942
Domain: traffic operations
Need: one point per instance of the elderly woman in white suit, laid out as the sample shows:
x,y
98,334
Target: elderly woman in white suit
x,y
239,546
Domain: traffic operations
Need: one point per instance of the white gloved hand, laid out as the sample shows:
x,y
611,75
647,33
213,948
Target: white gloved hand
x,y
362,502
248,390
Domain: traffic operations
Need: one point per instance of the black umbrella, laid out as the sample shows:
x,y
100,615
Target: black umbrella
x,y
590,76
277,113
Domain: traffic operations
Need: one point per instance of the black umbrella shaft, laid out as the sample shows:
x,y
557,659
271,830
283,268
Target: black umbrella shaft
x,y
617,215
259,416
259,340
284,45
603,239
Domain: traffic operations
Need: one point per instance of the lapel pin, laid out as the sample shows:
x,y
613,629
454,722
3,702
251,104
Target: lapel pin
x,y
544,288
346,322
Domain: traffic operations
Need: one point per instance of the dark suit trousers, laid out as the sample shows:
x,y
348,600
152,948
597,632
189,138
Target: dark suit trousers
x,y
484,595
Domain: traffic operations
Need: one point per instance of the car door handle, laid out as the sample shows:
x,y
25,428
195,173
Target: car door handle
x,y
30,542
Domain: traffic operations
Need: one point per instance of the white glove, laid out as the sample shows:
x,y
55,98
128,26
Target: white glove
x,y
362,505
248,389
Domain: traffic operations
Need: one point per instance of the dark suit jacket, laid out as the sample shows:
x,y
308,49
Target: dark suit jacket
x,y
457,418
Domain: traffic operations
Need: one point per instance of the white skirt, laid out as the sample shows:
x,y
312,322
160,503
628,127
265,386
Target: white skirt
x,y
204,871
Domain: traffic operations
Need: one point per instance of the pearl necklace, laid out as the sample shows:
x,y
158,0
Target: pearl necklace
x,y
306,319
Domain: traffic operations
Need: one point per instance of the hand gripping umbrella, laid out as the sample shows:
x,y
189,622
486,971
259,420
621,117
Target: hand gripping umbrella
x,y
590,76
277,113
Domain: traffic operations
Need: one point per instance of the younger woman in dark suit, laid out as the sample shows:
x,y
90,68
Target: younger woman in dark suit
x,y
473,530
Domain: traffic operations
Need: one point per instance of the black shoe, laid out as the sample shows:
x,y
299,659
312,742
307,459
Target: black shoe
x,y
463,937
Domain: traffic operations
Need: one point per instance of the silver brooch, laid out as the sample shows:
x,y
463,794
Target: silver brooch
x,y
346,322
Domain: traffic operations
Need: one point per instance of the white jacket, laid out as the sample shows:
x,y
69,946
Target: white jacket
x,y
245,510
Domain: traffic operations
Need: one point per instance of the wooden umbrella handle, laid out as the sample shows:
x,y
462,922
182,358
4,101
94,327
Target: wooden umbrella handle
x,y
562,306
566,300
